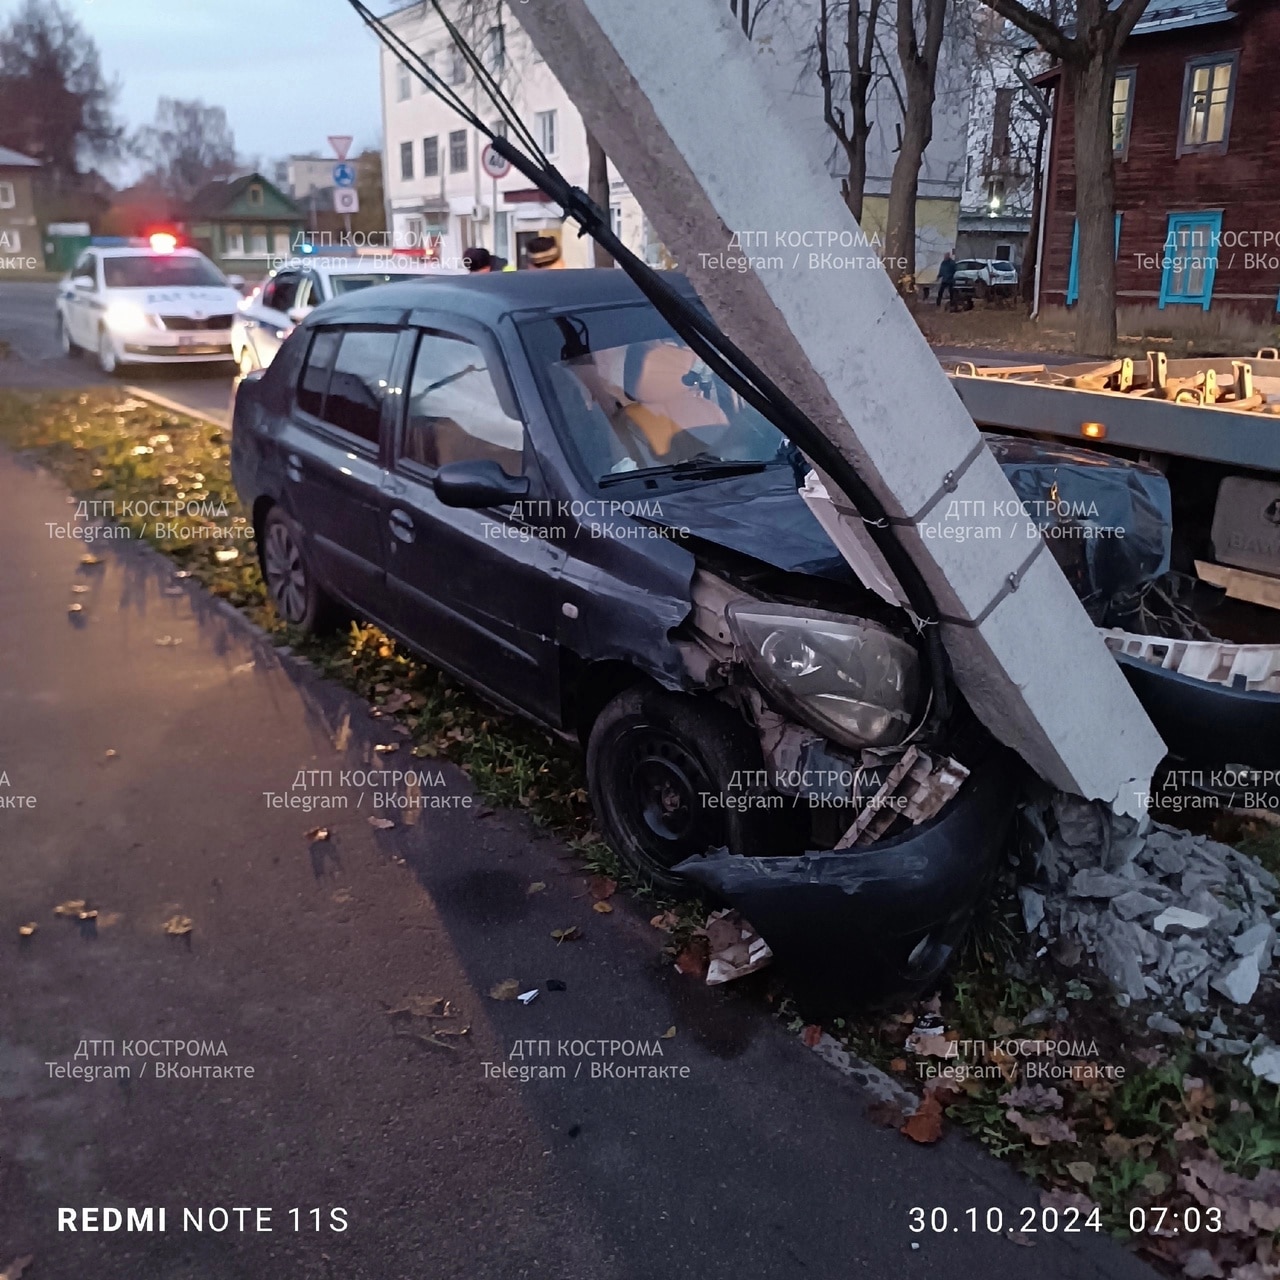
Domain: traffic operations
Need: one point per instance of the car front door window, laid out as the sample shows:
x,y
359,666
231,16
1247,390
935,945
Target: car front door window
x,y
455,414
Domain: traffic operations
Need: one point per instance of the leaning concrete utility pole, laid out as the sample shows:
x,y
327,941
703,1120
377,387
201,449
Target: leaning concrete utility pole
x,y
679,99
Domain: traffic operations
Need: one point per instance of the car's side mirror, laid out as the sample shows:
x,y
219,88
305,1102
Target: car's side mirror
x,y
83,283
481,483
236,282
298,314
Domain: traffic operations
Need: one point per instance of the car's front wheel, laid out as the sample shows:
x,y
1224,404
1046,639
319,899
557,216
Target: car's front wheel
x,y
108,356
291,583
666,773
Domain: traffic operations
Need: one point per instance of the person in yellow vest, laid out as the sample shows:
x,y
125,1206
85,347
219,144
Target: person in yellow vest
x,y
543,254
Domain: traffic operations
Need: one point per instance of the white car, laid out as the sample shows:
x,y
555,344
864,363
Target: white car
x,y
294,290
158,304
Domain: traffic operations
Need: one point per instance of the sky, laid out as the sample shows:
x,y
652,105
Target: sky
x,y
288,72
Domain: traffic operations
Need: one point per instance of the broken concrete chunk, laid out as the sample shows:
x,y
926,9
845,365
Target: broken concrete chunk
x,y
1132,905
1080,824
1032,907
1092,882
1164,1024
1239,982
1266,1064
1169,862
1259,941
1179,918
1120,964
1188,962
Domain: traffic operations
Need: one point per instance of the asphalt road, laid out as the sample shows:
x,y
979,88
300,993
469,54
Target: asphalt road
x,y
34,361
147,728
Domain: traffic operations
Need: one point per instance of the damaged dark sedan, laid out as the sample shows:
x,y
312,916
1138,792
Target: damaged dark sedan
x,y
532,482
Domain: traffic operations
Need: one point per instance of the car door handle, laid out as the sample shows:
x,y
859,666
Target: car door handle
x,y
402,525
293,467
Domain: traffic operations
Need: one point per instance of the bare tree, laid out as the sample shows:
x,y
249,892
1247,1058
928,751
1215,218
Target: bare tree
x,y
858,38
1088,51
55,104
189,144
918,62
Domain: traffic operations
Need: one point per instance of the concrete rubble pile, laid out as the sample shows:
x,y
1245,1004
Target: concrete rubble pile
x,y
1168,917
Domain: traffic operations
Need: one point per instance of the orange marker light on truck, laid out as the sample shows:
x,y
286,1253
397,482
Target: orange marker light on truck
x,y
1093,430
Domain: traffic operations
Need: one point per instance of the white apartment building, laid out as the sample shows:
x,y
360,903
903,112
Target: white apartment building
x,y
434,183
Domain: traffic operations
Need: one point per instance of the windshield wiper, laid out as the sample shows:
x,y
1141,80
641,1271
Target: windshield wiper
x,y
692,469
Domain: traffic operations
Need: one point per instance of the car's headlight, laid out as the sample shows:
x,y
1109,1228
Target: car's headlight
x,y
851,680
128,317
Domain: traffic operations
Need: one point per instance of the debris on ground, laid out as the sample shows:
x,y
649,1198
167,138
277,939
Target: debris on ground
x,y
178,926
528,997
1166,916
507,989
570,934
734,948
70,910
17,1267
381,824
317,834
26,930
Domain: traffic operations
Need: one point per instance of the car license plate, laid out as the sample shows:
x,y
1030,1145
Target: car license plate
x,y
192,340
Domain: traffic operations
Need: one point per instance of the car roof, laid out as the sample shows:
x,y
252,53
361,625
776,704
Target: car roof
x,y
488,296
137,251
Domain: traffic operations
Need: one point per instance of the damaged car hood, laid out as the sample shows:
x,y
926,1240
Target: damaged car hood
x,y
761,516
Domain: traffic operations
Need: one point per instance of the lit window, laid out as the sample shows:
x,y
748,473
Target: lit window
x,y
547,132
1207,97
1122,111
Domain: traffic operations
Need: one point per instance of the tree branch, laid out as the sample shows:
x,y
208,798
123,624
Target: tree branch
x,y
1052,39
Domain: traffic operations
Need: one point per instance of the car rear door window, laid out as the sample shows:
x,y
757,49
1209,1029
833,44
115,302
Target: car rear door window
x,y
455,414
347,390
317,371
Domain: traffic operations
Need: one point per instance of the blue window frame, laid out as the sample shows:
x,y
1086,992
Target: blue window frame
x,y
1073,276
1191,258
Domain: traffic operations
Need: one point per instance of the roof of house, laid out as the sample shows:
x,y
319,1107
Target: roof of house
x,y
214,197
1173,15
16,160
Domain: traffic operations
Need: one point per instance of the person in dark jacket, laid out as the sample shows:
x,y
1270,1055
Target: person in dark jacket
x,y
947,277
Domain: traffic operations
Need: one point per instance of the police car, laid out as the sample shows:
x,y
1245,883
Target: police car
x,y
295,289
148,302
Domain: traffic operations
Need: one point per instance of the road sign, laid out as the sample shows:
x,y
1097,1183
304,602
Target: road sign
x,y
341,144
493,164
344,175
346,200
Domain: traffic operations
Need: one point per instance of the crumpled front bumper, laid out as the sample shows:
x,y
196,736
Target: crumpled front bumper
x,y
873,924
1207,724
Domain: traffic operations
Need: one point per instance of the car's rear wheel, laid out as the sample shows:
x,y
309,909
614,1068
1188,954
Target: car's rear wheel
x,y
65,345
291,584
661,771
108,357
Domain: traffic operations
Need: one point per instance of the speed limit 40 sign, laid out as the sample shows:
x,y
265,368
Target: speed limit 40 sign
x,y
493,164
